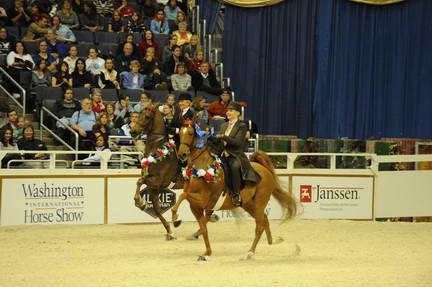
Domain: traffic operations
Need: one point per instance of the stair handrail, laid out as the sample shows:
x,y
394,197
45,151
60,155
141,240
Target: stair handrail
x,y
24,94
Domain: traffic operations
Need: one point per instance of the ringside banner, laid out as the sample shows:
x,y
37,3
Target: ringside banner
x,y
52,201
334,197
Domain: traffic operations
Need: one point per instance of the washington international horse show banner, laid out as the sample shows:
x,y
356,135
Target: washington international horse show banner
x,y
95,200
52,201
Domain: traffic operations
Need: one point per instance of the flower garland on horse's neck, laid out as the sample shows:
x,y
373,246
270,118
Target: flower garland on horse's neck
x,y
159,155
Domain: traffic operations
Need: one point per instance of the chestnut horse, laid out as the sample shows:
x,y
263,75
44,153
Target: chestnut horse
x,y
204,189
160,165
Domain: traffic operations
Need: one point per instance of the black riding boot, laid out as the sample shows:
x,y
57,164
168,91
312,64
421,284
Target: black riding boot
x,y
235,172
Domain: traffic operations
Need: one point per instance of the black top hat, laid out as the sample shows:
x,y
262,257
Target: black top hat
x,y
184,97
234,106
226,90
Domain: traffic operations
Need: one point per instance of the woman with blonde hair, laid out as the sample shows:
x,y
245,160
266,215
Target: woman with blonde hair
x,y
67,16
190,49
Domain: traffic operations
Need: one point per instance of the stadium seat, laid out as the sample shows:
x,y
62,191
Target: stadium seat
x,y
13,31
109,95
108,49
83,49
84,36
162,40
81,93
134,95
50,93
31,47
106,37
3,60
158,96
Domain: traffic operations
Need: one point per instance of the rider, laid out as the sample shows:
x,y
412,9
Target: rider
x,y
236,164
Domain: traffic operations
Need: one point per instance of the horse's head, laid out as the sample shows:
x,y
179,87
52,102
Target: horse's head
x,y
146,119
187,138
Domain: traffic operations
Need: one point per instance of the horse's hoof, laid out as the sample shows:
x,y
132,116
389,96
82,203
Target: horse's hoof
x,y
203,258
170,236
177,223
214,218
194,236
248,256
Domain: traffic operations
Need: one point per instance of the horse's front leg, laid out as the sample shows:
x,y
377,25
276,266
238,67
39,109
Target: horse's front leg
x,y
139,201
199,215
156,205
176,220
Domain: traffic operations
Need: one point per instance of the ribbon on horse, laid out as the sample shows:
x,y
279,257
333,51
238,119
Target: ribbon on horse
x,y
201,136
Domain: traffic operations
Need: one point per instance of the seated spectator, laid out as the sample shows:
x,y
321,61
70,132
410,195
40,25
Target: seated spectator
x,y
18,15
101,128
147,43
124,59
64,109
129,39
201,113
113,121
196,62
183,35
98,105
181,81
159,24
62,78
125,10
81,78
51,7
169,67
43,54
149,62
72,58
190,49
156,80
181,17
4,109
28,142
127,128
22,122
145,100
167,50
219,108
37,30
41,76
7,143
78,6
116,23
68,16
171,10
35,11
171,100
133,79
57,48
94,159
205,80
94,63
63,32
7,42
104,8
19,66
83,121
135,24
123,109
90,19
12,124
148,9
108,77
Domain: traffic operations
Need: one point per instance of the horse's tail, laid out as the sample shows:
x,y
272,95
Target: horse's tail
x,y
285,198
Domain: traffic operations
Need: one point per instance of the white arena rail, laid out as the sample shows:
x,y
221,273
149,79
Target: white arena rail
x,y
105,195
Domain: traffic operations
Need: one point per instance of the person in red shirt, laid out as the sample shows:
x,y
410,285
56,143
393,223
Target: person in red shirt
x,y
124,9
98,105
146,43
219,108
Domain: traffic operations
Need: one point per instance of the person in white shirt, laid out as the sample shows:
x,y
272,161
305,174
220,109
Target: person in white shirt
x,y
94,63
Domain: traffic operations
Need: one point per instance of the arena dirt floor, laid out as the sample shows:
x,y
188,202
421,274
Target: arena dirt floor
x,y
333,253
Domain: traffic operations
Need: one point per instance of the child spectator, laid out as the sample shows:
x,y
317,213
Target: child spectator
x,y
62,78
81,78
159,25
147,43
94,63
145,100
183,35
108,77
133,79
67,16
116,23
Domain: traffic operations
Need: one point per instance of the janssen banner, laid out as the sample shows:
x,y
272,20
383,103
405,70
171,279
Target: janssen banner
x,y
52,201
334,197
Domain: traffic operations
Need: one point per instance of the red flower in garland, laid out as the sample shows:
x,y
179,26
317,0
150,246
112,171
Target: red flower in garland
x,y
189,172
216,164
160,153
145,164
208,177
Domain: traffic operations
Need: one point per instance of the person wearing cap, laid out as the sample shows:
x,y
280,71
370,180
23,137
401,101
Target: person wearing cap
x,y
219,108
235,162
